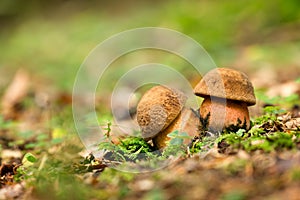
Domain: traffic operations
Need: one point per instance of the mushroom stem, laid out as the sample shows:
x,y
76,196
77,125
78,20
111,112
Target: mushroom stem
x,y
221,113
186,121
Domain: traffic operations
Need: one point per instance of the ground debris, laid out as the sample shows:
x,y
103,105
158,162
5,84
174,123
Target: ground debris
x,y
15,191
7,172
9,155
289,123
14,94
90,164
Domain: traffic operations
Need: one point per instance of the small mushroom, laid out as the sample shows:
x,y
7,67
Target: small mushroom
x,y
227,94
159,112
158,107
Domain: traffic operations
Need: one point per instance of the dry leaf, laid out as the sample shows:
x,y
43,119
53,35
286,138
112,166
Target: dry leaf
x,y
14,94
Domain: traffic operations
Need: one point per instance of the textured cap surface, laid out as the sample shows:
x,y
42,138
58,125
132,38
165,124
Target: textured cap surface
x,y
226,83
158,108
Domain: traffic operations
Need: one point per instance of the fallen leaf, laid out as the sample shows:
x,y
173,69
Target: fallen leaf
x,y
14,94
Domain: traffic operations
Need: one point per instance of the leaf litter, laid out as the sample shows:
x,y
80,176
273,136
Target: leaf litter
x,y
261,163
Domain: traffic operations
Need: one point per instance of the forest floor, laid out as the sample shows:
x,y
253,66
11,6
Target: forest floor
x,y
43,158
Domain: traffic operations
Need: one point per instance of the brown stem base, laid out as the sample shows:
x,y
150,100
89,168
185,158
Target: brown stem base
x,y
224,114
187,122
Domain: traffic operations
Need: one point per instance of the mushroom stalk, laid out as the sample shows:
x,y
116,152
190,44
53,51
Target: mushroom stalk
x,y
221,113
187,122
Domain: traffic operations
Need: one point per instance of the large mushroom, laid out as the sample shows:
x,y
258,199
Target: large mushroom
x,y
227,94
160,112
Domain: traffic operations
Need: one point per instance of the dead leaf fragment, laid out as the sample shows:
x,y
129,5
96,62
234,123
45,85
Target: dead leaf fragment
x,y
12,192
7,172
14,94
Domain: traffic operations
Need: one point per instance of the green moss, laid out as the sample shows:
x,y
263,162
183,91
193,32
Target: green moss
x,y
270,114
135,145
259,140
129,149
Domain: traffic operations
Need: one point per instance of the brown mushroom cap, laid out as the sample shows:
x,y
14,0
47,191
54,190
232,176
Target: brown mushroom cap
x,y
226,83
158,108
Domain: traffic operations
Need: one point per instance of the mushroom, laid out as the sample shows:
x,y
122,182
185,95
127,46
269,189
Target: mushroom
x,y
227,94
160,112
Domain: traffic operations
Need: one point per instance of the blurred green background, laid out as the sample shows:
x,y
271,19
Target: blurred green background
x,y
52,38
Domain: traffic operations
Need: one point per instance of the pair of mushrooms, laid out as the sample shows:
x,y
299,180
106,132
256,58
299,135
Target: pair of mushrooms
x,y
227,94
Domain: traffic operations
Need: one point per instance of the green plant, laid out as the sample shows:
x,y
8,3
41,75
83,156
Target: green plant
x,y
257,139
25,171
175,146
270,115
131,148
6,124
32,140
